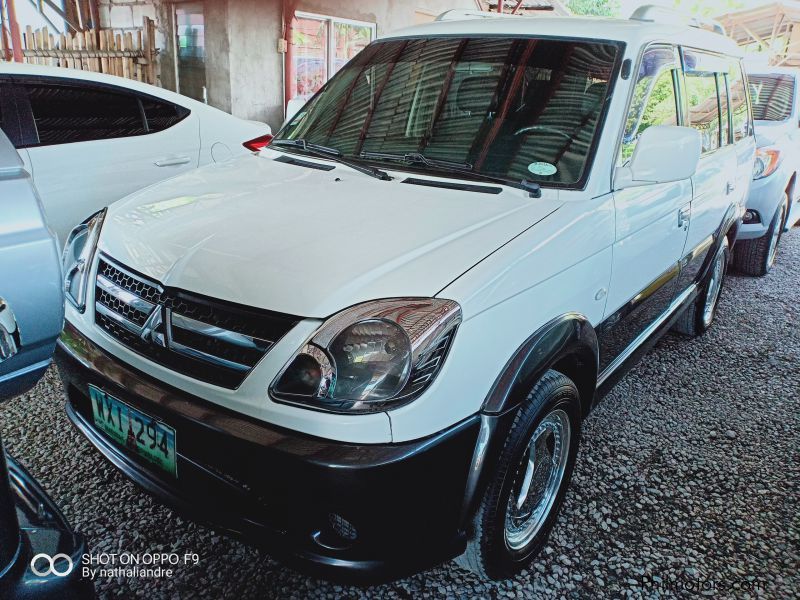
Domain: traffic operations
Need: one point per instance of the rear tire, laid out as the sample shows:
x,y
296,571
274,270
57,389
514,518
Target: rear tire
x,y
698,318
756,257
522,501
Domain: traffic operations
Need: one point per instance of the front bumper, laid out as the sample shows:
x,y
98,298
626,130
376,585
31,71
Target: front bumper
x,y
284,491
765,196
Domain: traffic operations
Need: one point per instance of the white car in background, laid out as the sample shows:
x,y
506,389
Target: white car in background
x,y
772,204
89,139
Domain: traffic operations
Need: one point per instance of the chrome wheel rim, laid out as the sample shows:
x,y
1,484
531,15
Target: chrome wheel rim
x,y
537,479
714,288
776,235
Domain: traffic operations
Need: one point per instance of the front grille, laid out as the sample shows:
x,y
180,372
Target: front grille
x,y
210,340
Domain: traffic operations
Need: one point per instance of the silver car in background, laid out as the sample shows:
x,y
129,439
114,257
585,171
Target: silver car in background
x,y
31,296
773,201
32,528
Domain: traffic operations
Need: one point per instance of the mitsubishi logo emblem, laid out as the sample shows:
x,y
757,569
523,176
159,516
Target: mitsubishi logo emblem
x,y
150,329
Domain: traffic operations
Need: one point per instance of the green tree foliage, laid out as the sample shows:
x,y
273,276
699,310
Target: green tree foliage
x,y
597,8
709,8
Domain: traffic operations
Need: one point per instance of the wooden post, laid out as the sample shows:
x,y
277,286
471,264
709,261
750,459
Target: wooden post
x,y
150,49
16,38
128,60
103,48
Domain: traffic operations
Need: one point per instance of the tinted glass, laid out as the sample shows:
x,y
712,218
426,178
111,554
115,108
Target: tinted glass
x,y
65,114
738,101
516,108
702,100
772,96
654,100
162,115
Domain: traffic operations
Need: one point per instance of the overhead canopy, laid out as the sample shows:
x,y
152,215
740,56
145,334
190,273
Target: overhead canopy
x,y
773,28
555,7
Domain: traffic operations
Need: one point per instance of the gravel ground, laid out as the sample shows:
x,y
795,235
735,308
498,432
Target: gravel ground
x,y
688,479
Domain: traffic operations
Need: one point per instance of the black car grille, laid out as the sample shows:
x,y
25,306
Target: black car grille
x,y
213,341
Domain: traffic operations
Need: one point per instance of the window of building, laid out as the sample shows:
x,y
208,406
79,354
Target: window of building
x,y
190,50
66,114
319,47
654,100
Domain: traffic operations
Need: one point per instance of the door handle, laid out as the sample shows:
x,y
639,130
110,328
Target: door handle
x,y
172,161
683,217
730,187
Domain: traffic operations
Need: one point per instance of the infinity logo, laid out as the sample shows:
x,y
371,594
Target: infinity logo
x,y
51,561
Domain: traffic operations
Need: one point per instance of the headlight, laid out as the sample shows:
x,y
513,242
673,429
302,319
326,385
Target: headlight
x,y
371,356
767,162
77,258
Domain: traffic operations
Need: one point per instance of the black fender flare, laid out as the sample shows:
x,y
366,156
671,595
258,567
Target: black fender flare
x,y
567,336
567,343
729,225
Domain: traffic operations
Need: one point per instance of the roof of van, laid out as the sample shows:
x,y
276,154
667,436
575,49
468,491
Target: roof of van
x,y
633,32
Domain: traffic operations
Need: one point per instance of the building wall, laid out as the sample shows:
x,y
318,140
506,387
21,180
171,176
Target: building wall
x,y
244,69
257,24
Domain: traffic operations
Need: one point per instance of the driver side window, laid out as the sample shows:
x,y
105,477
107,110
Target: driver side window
x,y
654,101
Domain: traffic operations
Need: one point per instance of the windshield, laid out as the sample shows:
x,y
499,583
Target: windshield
x,y
509,108
772,96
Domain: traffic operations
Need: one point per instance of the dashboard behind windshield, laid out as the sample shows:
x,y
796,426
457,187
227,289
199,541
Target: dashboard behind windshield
x,y
521,109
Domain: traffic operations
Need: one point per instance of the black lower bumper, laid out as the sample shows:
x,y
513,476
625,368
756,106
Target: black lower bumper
x,y
358,512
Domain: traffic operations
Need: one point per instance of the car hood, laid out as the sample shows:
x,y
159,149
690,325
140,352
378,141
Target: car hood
x,y
769,133
309,242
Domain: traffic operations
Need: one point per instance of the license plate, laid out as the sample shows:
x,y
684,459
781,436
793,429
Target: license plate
x,y
140,433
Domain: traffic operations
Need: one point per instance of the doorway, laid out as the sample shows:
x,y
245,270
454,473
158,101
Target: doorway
x,y
190,50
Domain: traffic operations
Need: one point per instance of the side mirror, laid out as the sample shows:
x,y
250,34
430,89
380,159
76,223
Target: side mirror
x,y
664,153
292,108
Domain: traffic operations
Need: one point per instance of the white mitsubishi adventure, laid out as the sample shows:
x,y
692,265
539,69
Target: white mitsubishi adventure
x,y
369,348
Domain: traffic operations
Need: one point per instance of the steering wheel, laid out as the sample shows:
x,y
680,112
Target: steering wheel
x,y
530,128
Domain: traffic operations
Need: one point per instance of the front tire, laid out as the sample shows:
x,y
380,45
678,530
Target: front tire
x,y
522,501
756,257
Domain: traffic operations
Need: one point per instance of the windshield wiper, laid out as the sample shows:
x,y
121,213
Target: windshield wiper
x,y
333,154
447,166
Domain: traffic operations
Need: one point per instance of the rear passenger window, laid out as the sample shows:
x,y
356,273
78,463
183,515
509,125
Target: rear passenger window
x,y
740,112
66,114
654,101
701,95
162,115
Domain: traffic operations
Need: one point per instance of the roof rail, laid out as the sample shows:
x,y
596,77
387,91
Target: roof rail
x,y
461,15
660,14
